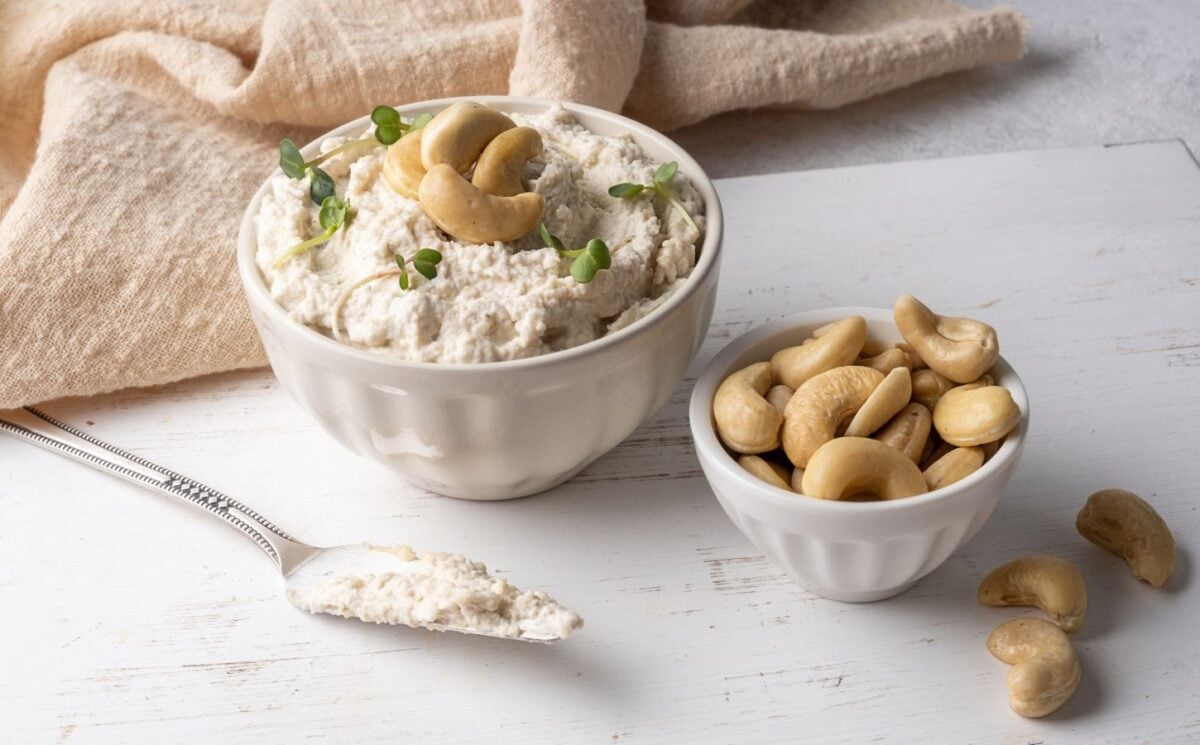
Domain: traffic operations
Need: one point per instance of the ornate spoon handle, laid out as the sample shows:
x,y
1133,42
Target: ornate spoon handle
x,y
47,432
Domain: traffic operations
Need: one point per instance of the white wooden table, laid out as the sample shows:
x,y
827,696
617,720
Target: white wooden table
x,y
131,619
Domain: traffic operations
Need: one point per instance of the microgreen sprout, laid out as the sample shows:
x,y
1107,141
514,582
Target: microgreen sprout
x,y
425,262
587,260
389,127
333,215
661,186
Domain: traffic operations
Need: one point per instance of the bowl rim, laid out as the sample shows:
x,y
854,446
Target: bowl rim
x,y
254,284
709,447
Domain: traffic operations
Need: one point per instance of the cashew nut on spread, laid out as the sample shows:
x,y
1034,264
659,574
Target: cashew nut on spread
x,y
855,415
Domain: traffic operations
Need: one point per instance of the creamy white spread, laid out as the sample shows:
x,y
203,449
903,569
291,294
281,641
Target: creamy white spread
x,y
438,590
489,302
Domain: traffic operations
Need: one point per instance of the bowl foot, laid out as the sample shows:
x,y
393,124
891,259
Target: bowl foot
x,y
860,596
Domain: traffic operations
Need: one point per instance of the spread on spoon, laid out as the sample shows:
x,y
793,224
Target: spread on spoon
x,y
436,590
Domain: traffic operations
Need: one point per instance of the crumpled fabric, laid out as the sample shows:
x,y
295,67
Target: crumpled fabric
x,y
135,133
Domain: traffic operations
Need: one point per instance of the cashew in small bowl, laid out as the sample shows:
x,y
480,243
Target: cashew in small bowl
x,y
888,398
847,466
779,395
954,466
1045,668
471,214
874,347
929,387
797,480
459,133
502,161
967,416
402,167
1052,584
1125,524
838,344
957,348
772,473
885,361
745,421
819,407
908,431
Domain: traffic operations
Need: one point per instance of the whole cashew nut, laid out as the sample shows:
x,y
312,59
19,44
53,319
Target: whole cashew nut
x,y
838,344
797,480
747,422
954,466
929,387
968,416
934,447
459,133
779,395
1125,524
471,214
772,473
888,398
874,347
1053,585
502,161
1045,668
957,348
402,167
885,361
847,466
908,431
914,358
818,408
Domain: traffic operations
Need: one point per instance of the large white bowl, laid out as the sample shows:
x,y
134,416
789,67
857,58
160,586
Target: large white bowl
x,y
502,429
849,551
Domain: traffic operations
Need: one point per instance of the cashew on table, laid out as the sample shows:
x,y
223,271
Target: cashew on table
x,y
925,424
1045,669
431,164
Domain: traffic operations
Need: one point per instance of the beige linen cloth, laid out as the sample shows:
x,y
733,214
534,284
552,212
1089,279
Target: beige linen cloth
x,y
134,131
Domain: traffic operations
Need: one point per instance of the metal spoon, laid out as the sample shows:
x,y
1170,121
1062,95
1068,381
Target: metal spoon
x,y
301,565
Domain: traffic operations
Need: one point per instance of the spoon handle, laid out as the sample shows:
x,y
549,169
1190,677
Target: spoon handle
x,y
47,432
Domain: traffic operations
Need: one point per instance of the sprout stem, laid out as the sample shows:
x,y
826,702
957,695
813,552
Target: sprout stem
x,y
341,300
303,246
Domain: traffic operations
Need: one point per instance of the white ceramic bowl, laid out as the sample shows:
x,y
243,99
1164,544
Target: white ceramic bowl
x,y
501,429
849,551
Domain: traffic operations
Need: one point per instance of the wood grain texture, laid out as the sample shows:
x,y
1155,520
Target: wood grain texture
x,y
130,619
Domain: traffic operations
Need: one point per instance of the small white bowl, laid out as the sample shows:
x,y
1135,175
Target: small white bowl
x,y
848,551
501,429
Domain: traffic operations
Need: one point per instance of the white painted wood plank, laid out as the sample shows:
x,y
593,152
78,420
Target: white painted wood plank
x,y
130,619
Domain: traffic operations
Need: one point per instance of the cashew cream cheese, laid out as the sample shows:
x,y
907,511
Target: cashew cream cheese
x,y
438,589
489,302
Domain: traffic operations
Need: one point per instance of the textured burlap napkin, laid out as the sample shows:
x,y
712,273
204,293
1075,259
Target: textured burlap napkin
x,y
134,132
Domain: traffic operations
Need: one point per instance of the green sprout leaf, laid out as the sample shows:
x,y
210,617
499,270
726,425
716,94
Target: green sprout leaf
x,y
548,240
420,122
663,176
665,173
597,250
426,262
321,187
333,213
428,256
626,190
291,162
584,269
389,127
332,216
